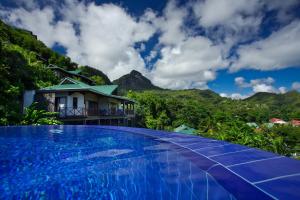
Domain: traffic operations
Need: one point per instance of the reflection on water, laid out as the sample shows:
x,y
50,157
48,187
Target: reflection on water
x,y
91,163
59,131
107,153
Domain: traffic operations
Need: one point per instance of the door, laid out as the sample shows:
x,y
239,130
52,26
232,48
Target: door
x,y
60,105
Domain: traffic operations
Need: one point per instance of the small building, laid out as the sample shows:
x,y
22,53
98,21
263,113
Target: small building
x,y
277,121
77,102
252,125
268,125
295,122
185,130
74,74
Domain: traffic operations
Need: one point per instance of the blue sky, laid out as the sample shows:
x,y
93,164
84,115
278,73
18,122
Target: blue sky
x,y
236,48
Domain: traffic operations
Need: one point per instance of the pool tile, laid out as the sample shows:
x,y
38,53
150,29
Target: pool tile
x,y
204,144
219,150
266,169
284,188
246,166
201,161
242,157
237,186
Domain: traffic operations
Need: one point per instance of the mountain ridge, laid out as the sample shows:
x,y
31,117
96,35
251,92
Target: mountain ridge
x,y
134,81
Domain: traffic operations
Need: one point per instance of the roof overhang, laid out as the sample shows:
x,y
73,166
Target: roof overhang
x,y
86,90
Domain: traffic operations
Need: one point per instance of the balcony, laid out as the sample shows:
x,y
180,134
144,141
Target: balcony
x,y
70,112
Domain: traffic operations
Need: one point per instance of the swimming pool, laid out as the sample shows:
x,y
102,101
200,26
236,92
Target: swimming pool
x,y
94,162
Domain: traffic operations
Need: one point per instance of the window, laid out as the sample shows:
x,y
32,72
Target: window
x,y
75,102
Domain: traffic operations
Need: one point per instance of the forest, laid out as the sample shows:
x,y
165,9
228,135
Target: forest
x,y
222,118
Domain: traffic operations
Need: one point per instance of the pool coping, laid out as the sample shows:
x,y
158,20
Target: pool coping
x,y
264,175
231,180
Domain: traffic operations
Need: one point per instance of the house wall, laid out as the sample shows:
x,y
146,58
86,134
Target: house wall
x,y
63,94
69,103
28,98
90,97
103,103
80,101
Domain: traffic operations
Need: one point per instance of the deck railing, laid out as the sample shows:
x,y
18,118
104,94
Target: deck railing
x,y
83,112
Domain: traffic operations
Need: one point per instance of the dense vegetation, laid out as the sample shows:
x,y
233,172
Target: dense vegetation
x,y
220,118
23,66
96,75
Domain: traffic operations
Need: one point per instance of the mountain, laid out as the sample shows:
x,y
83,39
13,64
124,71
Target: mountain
x,y
291,98
261,97
190,94
134,81
286,106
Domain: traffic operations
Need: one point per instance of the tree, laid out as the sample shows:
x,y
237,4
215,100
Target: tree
x,y
34,116
98,80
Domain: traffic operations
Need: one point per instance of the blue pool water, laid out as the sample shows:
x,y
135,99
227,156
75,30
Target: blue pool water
x,y
73,162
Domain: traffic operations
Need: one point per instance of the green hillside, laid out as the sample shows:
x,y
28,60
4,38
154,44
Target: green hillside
x,y
23,66
286,106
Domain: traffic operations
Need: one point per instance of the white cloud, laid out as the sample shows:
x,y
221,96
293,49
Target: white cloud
x,y
260,85
186,61
296,86
240,81
194,60
282,90
280,50
171,24
234,96
40,22
224,12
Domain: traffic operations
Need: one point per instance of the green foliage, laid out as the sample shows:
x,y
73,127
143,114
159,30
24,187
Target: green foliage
x,y
21,68
98,80
34,116
215,117
94,74
26,40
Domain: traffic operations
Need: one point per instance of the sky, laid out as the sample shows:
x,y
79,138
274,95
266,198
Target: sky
x,y
233,47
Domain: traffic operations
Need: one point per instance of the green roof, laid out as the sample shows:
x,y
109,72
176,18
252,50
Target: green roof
x,y
107,89
268,125
77,71
72,84
252,124
73,81
185,129
72,72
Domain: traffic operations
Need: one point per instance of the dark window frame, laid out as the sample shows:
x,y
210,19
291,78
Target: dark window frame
x,y
75,102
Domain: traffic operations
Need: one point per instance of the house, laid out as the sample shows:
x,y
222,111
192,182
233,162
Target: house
x,y
295,122
75,74
80,103
277,121
185,130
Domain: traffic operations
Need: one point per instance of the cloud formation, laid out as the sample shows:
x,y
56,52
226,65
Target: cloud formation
x,y
260,85
296,86
234,96
195,39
